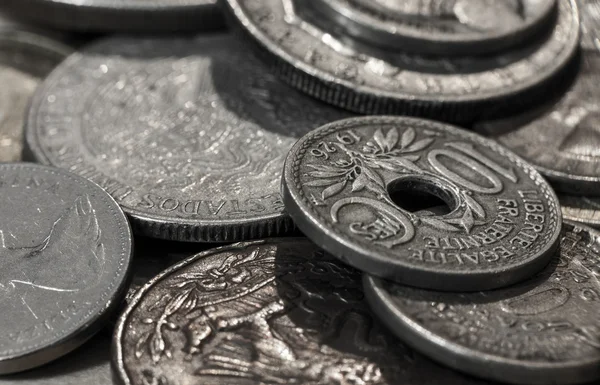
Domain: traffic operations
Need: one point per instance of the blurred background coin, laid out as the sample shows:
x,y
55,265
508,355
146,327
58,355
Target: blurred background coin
x,y
580,209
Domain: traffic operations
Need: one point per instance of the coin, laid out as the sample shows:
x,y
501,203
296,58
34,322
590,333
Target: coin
x,y
366,80
188,135
65,250
273,311
544,330
561,139
583,210
441,27
343,185
119,15
590,24
25,58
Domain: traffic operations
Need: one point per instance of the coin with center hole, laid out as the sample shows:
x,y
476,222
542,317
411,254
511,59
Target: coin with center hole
x,y
446,27
368,190
65,252
545,330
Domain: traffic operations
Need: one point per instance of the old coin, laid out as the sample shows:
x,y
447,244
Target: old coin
x,y
65,250
561,139
267,312
25,59
590,24
544,330
189,136
368,80
443,27
346,184
583,210
119,15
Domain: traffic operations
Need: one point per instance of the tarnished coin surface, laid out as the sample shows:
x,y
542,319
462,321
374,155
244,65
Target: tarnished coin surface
x,y
583,210
368,80
189,136
443,27
65,251
590,24
562,139
267,312
545,330
119,15
25,59
346,184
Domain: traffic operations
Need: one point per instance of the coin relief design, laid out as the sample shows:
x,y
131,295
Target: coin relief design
x,y
189,134
503,220
546,327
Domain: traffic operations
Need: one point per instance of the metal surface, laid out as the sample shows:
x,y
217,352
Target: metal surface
x,y
442,27
25,58
339,186
562,140
583,210
278,311
545,330
65,251
118,15
366,80
590,24
189,136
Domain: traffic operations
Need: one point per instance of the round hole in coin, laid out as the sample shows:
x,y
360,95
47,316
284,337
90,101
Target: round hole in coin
x,y
422,196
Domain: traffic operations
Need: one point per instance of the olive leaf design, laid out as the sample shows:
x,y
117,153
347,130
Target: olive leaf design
x,y
474,214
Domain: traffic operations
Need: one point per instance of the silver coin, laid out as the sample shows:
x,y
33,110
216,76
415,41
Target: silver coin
x,y
119,15
542,331
266,312
65,249
590,24
583,210
503,219
562,139
189,136
442,27
371,81
25,59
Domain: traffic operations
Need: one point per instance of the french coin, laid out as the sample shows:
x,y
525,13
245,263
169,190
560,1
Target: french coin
x,y
590,24
275,311
561,139
545,330
583,210
118,15
364,79
440,27
25,59
352,187
188,135
65,251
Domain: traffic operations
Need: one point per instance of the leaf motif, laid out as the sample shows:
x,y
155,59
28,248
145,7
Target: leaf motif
x,y
475,206
139,345
326,174
391,139
407,164
408,137
439,224
320,182
175,304
360,182
467,220
420,144
379,139
333,189
412,158
321,167
387,165
157,347
372,175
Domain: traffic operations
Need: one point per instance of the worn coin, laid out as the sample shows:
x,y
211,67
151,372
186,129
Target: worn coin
x,y
368,80
65,250
25,59
583,210
346,184
545,330
590,24
119,15
189,136
275,311
442,27
561,139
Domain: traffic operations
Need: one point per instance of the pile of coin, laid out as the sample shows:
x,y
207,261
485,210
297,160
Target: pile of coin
x,y
319,192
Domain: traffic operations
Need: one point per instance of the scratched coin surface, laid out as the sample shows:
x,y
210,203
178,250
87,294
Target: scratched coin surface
x,y
189,136
352,186
266,312
119,15
583,210
364,79
541,331
25,59
65,250
443,27
562,139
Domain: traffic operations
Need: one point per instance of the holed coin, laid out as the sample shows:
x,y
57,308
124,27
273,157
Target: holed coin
x,y
267,312
368,80
365,189
25,59
583,210
443,27
562,139
65,251
189,136
545,330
